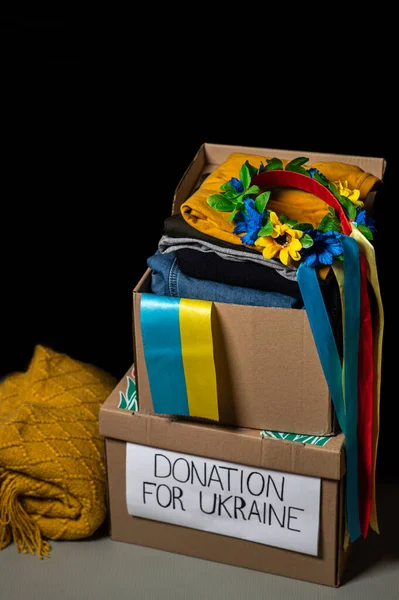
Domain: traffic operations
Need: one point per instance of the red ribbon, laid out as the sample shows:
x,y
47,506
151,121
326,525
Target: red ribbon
x,y
307,184
365,403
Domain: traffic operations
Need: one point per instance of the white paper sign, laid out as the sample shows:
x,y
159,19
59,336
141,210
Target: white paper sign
x,y
268,507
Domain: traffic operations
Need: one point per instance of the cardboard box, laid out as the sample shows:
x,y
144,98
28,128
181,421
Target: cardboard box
x,y
296,397
242,448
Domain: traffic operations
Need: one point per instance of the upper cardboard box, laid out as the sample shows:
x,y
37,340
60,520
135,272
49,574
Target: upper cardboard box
x,y
296,398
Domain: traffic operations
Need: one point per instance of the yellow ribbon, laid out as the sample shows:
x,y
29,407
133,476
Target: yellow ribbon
x,y
198,358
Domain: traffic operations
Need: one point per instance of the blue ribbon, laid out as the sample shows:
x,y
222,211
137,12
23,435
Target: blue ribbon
x,y
344,397
160,330
351,364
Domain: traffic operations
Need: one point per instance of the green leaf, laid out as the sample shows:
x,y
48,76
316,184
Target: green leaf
x,y
252,190
365,231
274,164
306,241
133,406
122,400
333,189
245,176
340,257
219,202
297,162
266,230
332,210
253,171
335,225
344,202
297,169
350,208
133,402
131,388
303,226
352,211
231,195
239,200
328,224
324,223
287,221
233,214
321,179
226,187
261,202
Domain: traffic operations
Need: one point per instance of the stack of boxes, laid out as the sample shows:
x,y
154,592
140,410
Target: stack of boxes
x,y
189,486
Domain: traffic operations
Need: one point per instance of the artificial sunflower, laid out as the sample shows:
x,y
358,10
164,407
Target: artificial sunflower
x,y
352,195
283,241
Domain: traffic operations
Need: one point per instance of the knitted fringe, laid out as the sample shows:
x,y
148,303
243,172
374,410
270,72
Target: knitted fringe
x,y
15,524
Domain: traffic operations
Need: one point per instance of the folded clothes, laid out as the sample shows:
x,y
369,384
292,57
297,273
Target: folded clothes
x,y
213,260
166,245
179,234
168,280
299,205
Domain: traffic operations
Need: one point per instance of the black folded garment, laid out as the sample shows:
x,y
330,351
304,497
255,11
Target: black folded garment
x,y
177,227
211,266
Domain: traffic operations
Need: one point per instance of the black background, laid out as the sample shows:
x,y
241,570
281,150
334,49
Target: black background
x,y
99,122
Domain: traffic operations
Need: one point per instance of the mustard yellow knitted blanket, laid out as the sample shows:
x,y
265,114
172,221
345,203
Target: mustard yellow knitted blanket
x,y
52,474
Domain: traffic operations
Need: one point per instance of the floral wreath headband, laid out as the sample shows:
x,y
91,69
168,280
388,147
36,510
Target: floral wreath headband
x,y
282,237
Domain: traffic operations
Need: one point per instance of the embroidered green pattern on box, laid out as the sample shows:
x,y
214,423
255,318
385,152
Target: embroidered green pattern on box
x,y
314,440
128,400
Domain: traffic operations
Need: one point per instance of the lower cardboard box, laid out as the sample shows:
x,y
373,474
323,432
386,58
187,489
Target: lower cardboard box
x,y
188,487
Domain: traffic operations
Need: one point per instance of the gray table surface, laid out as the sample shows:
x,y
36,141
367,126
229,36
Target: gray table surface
x,y
100,568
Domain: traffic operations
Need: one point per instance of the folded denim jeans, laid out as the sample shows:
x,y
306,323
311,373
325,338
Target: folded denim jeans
x,y
168,280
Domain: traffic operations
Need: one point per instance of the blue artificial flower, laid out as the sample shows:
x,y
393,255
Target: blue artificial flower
x,y
248,223
326,246
261,168
236,184
362,218
313,171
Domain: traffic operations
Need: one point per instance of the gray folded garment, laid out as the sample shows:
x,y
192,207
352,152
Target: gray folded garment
x,y
172,244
